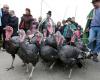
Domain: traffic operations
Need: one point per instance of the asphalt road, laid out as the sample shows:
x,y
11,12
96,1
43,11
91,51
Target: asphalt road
x,y
42,72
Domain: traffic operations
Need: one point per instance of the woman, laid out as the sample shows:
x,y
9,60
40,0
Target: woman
x,y
67,32
26,20
13,22
58,27
76,37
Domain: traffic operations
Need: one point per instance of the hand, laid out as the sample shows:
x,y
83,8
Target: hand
x,y
87,30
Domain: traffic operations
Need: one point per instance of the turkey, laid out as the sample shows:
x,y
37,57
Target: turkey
x,y
12,44
82,47
48,51
51,41
28,52
71,56
49,55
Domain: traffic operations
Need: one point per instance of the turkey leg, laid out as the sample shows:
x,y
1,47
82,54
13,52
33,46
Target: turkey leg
x,y
30,76
13,59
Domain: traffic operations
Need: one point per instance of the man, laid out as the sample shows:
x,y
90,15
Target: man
x,y
72,26
73,21
94,32
39,19
64,24
5,21
13,22
47,25
68,30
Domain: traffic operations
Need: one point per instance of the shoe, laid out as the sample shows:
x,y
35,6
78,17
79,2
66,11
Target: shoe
x,y
95,59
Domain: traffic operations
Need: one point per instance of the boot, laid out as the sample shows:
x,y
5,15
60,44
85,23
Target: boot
x,y
95,59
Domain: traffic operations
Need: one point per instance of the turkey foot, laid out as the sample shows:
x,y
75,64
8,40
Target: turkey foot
x,y
11,68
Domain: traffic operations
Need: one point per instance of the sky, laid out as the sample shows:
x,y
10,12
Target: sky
x,y
61,9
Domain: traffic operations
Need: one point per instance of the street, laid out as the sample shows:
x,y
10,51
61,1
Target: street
x,y
42,72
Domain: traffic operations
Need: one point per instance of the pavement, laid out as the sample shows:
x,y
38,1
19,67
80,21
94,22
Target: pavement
x,y
42,72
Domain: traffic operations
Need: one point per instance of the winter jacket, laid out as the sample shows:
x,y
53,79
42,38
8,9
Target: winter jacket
x,y
86,33
26,22
14,24
67,32
44,25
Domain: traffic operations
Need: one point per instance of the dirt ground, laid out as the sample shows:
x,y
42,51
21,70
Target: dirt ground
x,y
42,72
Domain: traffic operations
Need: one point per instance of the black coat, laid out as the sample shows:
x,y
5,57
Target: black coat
x,y
26,22
13,22
59,29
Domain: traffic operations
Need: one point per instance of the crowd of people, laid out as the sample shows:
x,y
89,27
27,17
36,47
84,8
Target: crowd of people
x,y
8,18
69,28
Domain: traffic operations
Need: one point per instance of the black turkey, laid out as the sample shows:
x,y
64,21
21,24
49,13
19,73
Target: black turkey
x,y
82,46
51,41
12,44
71,56
28,52
49,55
48,51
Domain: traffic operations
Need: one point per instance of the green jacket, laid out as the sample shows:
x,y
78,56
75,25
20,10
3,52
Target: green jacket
x,y
68,31
86,33
73,27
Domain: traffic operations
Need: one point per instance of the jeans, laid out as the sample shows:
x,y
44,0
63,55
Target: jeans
x,y
94,39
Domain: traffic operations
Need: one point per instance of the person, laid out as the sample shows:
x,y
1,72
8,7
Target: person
x,y
94,32
47,25
13,22
74,22
34,27
67,31
72,26
63,26
35,22
26,20
76,38
59,27
39,19
5,21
